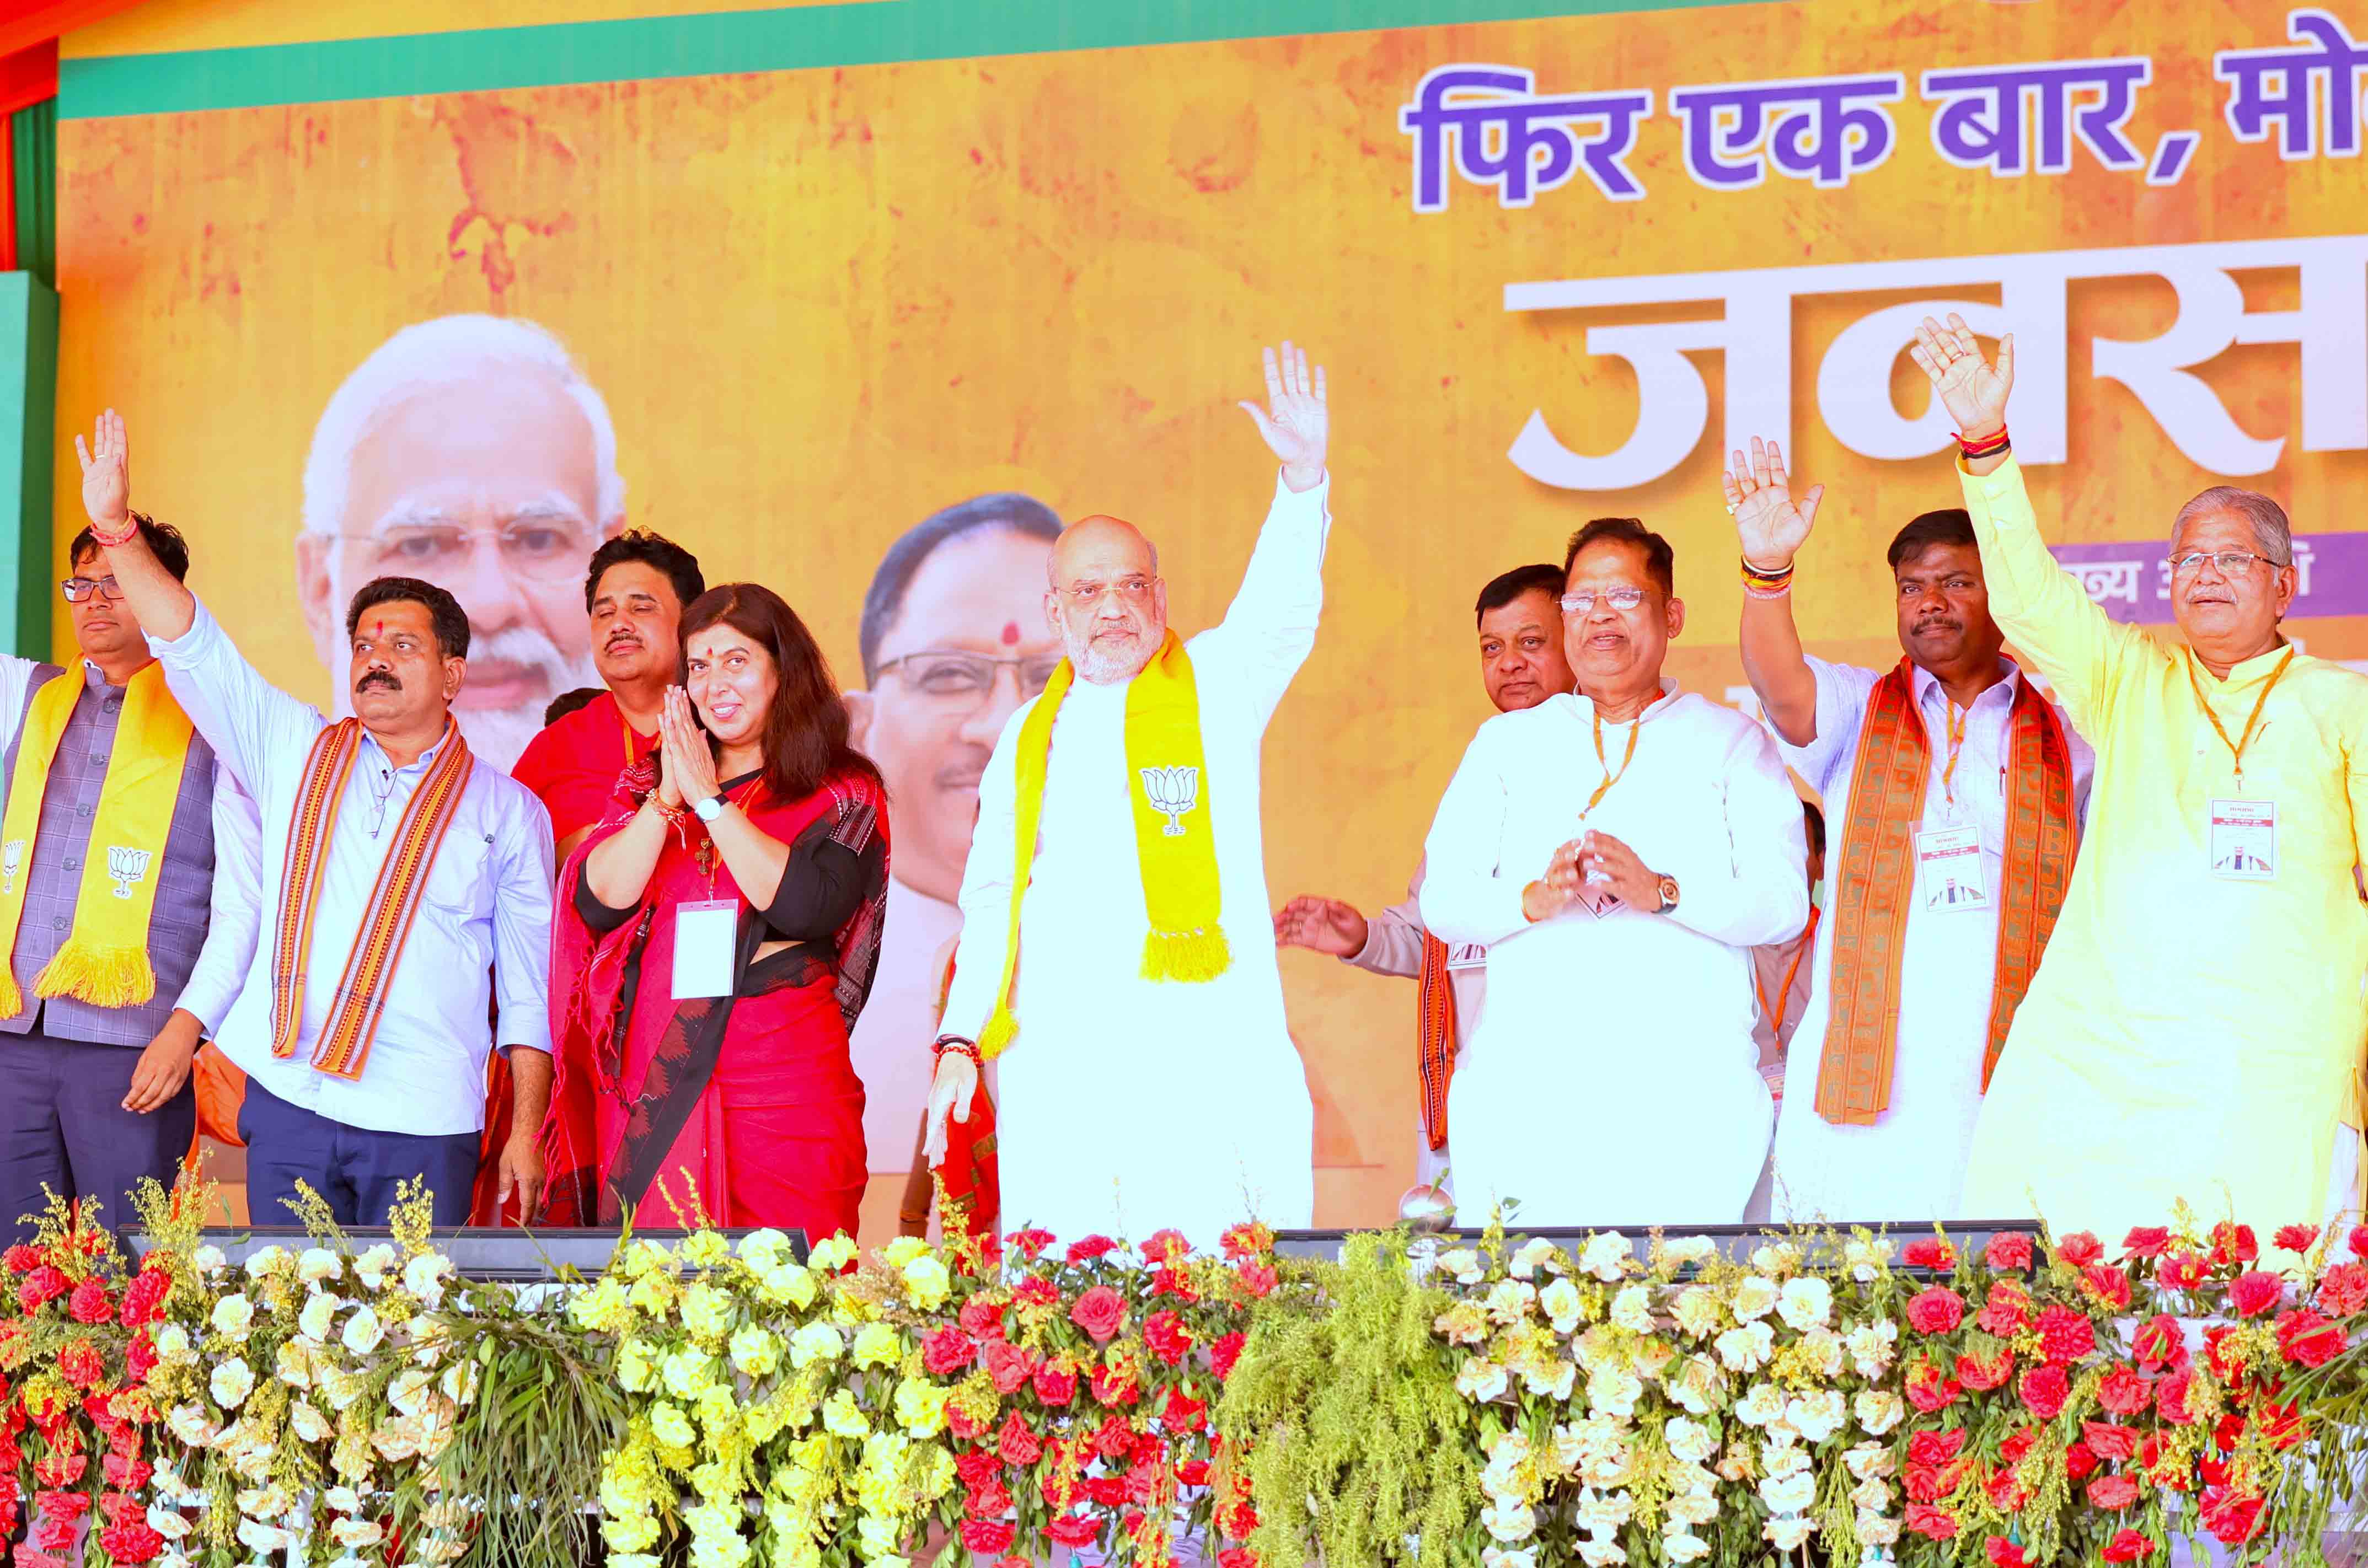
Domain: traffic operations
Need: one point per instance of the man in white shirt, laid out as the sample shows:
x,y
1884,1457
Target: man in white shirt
x,y
1942,754
1127,1103
1617,851
406,874
1521,665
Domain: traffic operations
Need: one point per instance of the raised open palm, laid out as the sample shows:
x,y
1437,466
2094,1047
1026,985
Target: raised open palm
x,y
1772,524
1295,422
1972,389
106,472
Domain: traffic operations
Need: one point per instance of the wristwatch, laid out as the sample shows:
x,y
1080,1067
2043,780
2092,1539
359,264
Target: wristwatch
x,y
1669,895
711,808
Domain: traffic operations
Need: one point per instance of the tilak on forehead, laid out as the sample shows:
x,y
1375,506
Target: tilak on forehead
x,y
1010,633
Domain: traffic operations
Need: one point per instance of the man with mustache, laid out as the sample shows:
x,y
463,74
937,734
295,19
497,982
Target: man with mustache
x,y
408,886
468,451
1521,665
1117,958
953,640
1618,850
1956,790
2195,1031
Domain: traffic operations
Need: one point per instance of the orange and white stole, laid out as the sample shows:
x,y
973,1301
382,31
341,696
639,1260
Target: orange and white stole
x,y
361,994
1876,890
1435,1039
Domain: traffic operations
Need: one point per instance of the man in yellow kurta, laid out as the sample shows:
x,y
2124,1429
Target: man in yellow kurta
x,y
2195,1026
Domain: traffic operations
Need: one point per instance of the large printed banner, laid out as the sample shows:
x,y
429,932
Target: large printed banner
x,y
1556,270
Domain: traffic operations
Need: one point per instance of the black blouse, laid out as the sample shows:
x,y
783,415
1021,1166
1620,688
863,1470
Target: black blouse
x,y
823,885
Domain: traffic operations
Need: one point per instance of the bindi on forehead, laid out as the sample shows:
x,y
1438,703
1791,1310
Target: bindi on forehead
x,y
1011,634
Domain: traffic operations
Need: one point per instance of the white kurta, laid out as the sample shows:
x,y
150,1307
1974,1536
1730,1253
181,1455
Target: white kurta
x,y
1910,1165
1613,1080
1128,1104
891,1044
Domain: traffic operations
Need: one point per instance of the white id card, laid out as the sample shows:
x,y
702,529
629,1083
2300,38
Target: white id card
x,y
1467,955
705,936
2243,839
1597,898
1949,869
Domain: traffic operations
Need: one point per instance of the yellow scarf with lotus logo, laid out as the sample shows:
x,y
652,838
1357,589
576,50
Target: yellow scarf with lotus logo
x,y
1174,842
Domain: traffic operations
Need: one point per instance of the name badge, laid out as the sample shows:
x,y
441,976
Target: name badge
x,y
1597,898
2243,839
1949,869
1468,955
705,936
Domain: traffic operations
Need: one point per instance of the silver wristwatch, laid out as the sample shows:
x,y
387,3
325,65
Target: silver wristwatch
x,y
708,808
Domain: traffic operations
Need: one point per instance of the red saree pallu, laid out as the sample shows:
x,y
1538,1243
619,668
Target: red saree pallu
x,y
738,1110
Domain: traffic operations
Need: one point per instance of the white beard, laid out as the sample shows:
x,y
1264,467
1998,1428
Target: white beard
x,y
1099,664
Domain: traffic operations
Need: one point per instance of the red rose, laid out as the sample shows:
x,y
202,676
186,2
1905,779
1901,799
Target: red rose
x,y
2007,1491
991,1500
2160,1343
2256,1292
2043,1390
1936,1448
1113,1440
1165,1246
60,1470
42,1286
1929,1252
2007,1312
946,1350
1092,1247
2145,1241
1117,1385
2107,1284
1257,1278
1182,1413
962,1424
989,1536
1930,1483
2109,1441
81,1364
1239,1521
2008,1249
1008,1365
1937,1524
1192,1472
1109,1491
1928,1390
2123,1393
1055,1386
139,1358
2017,1444
1936,1310
2234,1244
2358,1241
2308,1338
1169,1340
22,1259
128,1474
1238,1557
2066,1335
2128,1546
2112,1493
90,1302
2079,1249
2004,1553
1248,1239
1030,1244
2079,1461
1169,1282
2172,1398
144,1302
2222,1354
976,1467
1101,1312
2180,1271
1073,1530
1982,1376
1035,1291
2343,1293
2281,1424
131,1540
1017,1443
981,1318
2233,1517
1223,1354
2296,1238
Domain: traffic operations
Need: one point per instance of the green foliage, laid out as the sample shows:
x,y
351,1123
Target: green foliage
x,y
1347,1399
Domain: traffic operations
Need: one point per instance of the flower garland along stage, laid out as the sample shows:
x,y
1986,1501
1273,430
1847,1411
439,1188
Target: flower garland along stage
x,y
1501,1403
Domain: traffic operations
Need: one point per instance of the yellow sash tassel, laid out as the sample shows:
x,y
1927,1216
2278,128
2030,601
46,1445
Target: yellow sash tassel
x,y
102,976
1189,956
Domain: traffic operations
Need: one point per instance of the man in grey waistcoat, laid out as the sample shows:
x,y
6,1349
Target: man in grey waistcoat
x,y
119,958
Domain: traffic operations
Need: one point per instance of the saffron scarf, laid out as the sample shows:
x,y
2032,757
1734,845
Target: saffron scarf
x,y
1876,888
105,959
1435,1039
360,997
1175,844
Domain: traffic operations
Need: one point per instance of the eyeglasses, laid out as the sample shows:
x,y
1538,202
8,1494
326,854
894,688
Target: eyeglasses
x,y
949,676
547,549
2229,563
1582,601
1085,596
80,588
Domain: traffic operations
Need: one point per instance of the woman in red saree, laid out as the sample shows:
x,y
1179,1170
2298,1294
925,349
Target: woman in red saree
x,y
714,942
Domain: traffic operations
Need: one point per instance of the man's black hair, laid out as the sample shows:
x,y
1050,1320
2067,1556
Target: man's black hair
x,y
1006,509
449,621
679,566
1949,525
1660,561
172,549
1545,577
568,702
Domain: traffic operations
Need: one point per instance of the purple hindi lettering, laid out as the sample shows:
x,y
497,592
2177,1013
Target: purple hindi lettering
x,y
1824,130
1506,136
1981,123
2276,83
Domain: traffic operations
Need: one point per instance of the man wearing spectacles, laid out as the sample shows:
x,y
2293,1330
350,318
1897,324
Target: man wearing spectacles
x,y
1619,851
470,452
1956,790
2194,1032
124,947
953,640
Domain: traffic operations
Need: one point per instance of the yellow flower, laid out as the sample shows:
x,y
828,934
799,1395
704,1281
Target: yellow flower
x,y
705,1249
604,1308
755,1351
761,1250
629,1532
876,1538
707,1312
646,1257
653,1293
814,1342
921,1407
718,1411
633,1366
687,1373
831,1256
878,1345
788,1282
927,1284
904,1250
671,1426
840,1418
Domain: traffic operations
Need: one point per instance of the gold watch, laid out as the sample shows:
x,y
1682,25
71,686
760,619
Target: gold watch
x,y
1669,895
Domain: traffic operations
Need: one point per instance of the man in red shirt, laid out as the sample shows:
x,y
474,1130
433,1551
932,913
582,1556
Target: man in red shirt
x,y
635,593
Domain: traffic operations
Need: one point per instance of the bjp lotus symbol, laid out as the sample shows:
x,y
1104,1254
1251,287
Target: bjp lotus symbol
x,y
1172,791
127,866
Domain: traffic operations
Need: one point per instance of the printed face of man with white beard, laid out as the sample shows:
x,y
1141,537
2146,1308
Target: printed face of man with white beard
x,y
482,475
1106,599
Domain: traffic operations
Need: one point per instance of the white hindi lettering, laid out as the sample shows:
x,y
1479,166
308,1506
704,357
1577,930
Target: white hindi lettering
x,y
1754,333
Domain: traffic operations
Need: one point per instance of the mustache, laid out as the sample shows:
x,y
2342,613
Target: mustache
x,y
378,678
